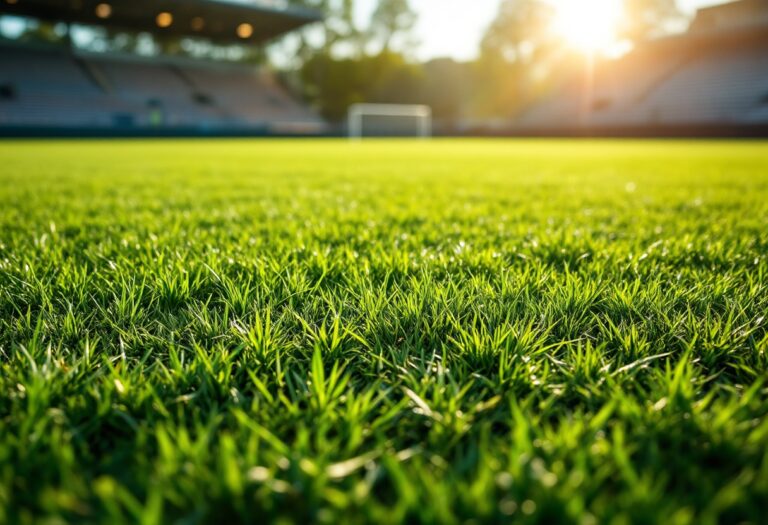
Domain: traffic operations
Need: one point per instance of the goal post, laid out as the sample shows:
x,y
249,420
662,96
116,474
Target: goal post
x,y
414,119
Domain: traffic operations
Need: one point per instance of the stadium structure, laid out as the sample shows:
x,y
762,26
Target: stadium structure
x,y
46,88
710,80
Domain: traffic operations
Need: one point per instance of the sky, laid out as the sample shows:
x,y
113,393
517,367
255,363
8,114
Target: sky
x,y
453,28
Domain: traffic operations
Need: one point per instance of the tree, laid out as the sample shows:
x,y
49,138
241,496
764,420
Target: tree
x,y
314,65
41,31
331,68
516,45
338,27
520,30
392,20
451,104
385,77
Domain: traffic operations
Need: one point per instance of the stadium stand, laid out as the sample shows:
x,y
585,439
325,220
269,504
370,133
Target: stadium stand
x,y
714,75
723,86
46,87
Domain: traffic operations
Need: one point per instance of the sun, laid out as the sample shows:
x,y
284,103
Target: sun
x,y
591,26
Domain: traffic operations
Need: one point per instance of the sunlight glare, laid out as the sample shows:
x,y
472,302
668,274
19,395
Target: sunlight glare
x,y
588,25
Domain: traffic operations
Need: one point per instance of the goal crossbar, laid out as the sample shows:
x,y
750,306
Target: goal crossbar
x,y
357,112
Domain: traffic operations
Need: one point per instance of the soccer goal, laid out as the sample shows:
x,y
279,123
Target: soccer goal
x,y
387,120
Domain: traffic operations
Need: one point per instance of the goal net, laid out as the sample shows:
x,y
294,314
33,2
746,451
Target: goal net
x,y
389,120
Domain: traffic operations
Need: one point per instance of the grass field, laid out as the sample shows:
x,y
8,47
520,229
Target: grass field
x,y
420,332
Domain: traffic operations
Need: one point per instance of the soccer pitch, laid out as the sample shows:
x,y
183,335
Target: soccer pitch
x,y
447,331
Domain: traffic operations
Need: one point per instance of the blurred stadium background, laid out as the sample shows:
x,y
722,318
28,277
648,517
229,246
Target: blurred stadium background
x,y
213,67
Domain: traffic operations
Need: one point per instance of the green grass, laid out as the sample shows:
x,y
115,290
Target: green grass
x,y
442,332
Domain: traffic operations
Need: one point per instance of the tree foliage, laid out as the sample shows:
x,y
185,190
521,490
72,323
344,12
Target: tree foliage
x,y
520,30
339,69
392,19
334,84
516,42
521,56
338,25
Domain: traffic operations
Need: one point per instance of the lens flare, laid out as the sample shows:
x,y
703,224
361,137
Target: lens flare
x,y
588,25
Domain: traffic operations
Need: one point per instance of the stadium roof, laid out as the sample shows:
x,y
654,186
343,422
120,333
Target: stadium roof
x,y
738,15
220,20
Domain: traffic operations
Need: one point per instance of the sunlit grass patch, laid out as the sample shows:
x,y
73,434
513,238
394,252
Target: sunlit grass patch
x,y
389,331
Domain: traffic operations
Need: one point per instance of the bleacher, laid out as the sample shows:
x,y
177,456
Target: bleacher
x,y
49,88
720,87
265,100
714,75
41,87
